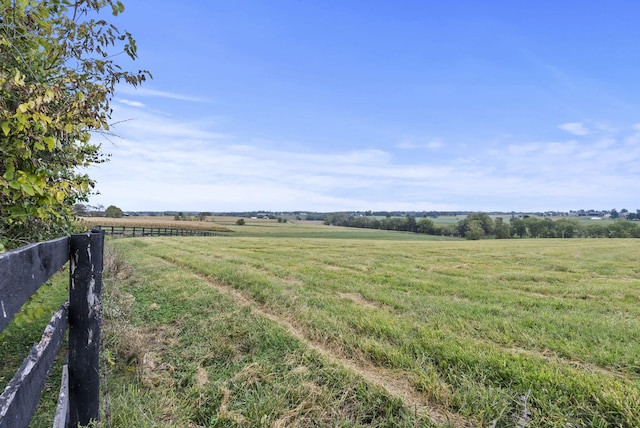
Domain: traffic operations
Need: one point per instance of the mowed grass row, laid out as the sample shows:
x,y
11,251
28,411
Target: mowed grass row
x,y
474,326
182,353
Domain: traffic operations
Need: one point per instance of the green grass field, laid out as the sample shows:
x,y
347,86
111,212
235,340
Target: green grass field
x,y
283,328
302,324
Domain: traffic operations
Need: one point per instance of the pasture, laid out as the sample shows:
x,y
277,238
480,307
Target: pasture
x,y
300,324
290,327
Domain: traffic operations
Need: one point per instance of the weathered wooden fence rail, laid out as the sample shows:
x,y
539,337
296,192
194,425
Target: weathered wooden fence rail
x,y
22,272
133,231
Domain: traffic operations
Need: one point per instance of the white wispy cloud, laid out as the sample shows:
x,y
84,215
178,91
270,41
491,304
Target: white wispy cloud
x,y
146,92
130,103
143,124
575,128
409,144
166,163
634,138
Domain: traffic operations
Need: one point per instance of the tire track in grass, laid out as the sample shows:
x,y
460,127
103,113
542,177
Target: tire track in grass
x,y
392,382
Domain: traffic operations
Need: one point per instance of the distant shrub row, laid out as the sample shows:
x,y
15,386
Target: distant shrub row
x,y
481,225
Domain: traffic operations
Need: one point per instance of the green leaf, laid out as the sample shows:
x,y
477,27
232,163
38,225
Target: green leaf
x,y
28,189
117,8
50,142
58,77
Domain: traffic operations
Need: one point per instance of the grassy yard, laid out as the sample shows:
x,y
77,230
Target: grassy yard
x,y
299,324
280,330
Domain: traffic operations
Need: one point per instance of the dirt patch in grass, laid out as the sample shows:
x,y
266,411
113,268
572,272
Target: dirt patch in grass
x,y
395,383
360,300
201,377
462,266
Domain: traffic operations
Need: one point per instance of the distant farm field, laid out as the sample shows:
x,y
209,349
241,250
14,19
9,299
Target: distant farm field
x,y
311,325
152,221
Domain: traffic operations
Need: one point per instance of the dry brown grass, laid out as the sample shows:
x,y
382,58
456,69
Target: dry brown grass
x,y
154,221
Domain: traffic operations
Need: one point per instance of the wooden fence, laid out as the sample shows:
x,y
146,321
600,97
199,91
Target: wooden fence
x,y
22,272
133,231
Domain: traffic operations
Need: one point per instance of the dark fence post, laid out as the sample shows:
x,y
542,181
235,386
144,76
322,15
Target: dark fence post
x,y
85,312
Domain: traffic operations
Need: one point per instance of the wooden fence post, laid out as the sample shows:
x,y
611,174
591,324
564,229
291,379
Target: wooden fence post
x,y
85,312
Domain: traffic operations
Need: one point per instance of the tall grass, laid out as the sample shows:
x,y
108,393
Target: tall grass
x,y
182,353
298,324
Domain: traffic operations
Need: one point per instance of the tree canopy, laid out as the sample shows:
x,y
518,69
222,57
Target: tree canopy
x,y
57,78
113,211
481,226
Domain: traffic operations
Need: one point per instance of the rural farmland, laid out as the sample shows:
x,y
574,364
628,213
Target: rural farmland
x,y
301,324
293,328
342,214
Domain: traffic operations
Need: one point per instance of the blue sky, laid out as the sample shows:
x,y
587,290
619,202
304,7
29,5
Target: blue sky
x,y
377,105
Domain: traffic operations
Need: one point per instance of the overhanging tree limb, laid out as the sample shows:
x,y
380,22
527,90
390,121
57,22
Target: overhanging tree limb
x,y
57,77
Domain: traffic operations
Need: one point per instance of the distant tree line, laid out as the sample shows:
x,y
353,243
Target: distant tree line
x,y
481,226
403,224
533,227
202,216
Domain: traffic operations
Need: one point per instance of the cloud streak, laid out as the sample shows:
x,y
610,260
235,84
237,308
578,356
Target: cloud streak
x,y
575,128
147,92
167,164
410,144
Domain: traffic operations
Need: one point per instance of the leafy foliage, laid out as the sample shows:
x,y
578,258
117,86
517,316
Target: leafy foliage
x,y
403,224
482,226
202,216
57,76
476,226
113,211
